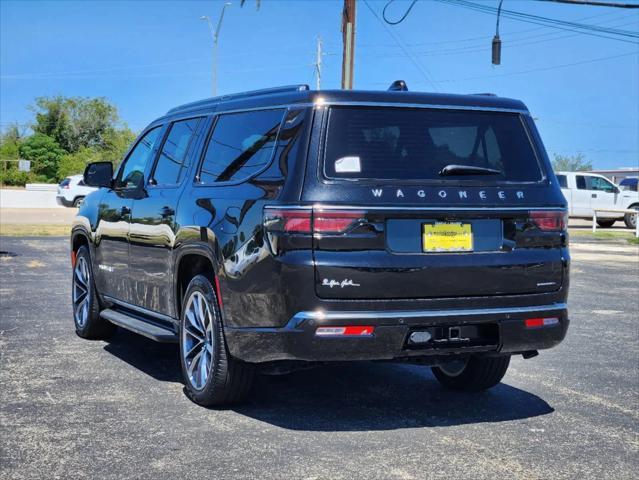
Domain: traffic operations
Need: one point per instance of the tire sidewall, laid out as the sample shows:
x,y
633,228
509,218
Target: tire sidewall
x,y
201,284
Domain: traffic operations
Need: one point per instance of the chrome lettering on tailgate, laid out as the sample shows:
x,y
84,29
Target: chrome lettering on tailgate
x,y
334,283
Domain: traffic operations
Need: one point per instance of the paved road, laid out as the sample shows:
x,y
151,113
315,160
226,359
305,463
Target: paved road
x,y
72,408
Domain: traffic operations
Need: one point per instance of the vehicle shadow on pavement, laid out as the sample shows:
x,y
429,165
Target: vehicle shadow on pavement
x,y
347,397
380,396
158,360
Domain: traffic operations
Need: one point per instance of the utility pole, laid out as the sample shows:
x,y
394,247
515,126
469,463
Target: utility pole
x,y
348,39
318,64
215,33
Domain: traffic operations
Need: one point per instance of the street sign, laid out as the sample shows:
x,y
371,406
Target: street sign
x,y
24,165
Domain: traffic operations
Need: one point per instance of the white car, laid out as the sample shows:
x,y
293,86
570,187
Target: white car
x,y
72,190
587,191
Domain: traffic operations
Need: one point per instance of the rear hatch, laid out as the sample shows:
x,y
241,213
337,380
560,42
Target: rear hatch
x,y
421,203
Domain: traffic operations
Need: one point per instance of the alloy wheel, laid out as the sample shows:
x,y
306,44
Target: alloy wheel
x,y
197,340
81,292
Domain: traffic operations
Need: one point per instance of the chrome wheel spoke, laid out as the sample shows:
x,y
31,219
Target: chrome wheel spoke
x,y
197,345
194,363
194,324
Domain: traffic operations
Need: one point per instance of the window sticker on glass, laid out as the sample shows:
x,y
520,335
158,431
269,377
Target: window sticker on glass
x,y
348,165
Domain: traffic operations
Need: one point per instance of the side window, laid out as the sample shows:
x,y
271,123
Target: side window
x,y
241,145
581,182
173,162
131,174
563,181
601,185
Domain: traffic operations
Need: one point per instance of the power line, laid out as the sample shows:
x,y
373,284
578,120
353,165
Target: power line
x,y
415,62
593,30
594,3
482,47
403,17
541,69
510,34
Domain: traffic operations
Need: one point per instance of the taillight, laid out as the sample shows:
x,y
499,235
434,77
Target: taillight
x,y
287,220
335,221
549,220
303,221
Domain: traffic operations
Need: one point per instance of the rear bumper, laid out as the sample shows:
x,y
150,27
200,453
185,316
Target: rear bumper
x,y
298,341
63,201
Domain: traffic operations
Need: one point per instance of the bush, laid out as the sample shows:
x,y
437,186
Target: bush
x,y
45,154
15,177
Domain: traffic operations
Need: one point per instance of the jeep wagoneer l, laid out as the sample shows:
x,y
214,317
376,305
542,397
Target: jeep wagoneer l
x,y
283,227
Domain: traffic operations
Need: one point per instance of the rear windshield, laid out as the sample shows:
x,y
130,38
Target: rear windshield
x,y
416,144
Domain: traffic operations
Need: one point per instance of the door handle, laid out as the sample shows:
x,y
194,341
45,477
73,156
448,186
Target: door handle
x,y
167,211
125,211
594,195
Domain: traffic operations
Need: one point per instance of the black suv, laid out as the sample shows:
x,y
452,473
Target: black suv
x,y
274,229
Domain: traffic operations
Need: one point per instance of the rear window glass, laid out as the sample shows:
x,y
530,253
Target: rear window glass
x,y
240,146
416,144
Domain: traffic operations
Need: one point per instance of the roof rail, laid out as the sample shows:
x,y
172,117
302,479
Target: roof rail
x,y
252,93
485,94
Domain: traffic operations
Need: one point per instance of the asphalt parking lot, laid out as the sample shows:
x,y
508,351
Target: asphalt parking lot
x,y
71,408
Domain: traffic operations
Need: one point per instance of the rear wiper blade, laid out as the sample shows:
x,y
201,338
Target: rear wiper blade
x,y
467,170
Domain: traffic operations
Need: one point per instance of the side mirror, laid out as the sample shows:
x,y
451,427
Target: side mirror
x,y
98,174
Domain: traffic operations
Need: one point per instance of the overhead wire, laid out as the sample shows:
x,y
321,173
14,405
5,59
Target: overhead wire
x,y
586,29
397,40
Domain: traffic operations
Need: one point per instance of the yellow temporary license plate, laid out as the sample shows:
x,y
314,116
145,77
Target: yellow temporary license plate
x,y
447,237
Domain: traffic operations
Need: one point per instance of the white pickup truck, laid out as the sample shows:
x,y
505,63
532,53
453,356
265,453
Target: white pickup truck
x,y
586,192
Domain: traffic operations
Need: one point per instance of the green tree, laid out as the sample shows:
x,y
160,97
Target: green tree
x,y
75,122
116,144
44,152
74,163
574,163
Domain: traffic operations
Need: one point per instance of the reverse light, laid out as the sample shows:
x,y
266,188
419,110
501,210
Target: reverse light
x,y
346,331
549,220
541,322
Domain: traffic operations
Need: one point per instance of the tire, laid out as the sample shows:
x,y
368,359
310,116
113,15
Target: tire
x,y
86,307
77,202
477,374
630,219
606,223
211,376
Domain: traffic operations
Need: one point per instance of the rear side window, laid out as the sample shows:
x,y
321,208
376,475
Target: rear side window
x,y
581,182
172,163
563,181
240,146
65,182
416,144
